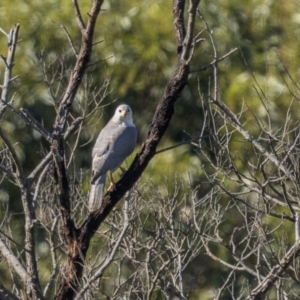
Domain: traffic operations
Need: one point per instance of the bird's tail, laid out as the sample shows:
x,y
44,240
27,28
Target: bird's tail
x,y
96,193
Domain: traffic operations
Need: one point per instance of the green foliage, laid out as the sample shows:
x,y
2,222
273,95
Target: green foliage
x,y
139,37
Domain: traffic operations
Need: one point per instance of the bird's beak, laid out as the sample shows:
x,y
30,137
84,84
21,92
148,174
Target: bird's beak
x,y
124,112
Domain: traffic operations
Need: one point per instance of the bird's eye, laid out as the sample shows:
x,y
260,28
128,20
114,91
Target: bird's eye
x,y
120,110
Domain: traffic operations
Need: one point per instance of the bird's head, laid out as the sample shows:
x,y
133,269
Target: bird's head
x,y
123,113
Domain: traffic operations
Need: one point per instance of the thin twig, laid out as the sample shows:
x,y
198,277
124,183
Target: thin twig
x,y
39,183
178,145
100,61
53,256
96,43
19,170
235,122
36,125
40,167
4,32
6,170
78,16
13,261
215,61
68,37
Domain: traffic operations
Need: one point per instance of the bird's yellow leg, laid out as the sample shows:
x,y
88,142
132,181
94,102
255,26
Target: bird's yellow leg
x,y
112,183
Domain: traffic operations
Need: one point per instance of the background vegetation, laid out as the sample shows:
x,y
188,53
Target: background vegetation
x,y
135,59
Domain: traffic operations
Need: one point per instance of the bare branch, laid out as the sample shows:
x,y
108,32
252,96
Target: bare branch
x,y
68,37
74,126
36,125
78,70
39,183
100,61
78,16
6,170
31,121
215,61
13,261
19,170
112,253
9,61
236,124
53,257
6,294
40,167
275,274
189,37
178,145
4,32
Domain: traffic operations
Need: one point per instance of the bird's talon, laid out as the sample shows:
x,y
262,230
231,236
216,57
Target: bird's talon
x,y
111,187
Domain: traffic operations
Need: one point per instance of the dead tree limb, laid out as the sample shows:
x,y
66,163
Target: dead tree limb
x,y
158,126
73,271
9,64
276,272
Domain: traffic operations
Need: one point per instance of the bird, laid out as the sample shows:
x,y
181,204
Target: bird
x,y
115,143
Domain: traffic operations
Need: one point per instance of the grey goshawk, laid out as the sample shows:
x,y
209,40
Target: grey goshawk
x,y
115,142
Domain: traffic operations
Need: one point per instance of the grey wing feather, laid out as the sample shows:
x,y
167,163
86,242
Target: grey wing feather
x,y
112,146
123,146
96,193
101,151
